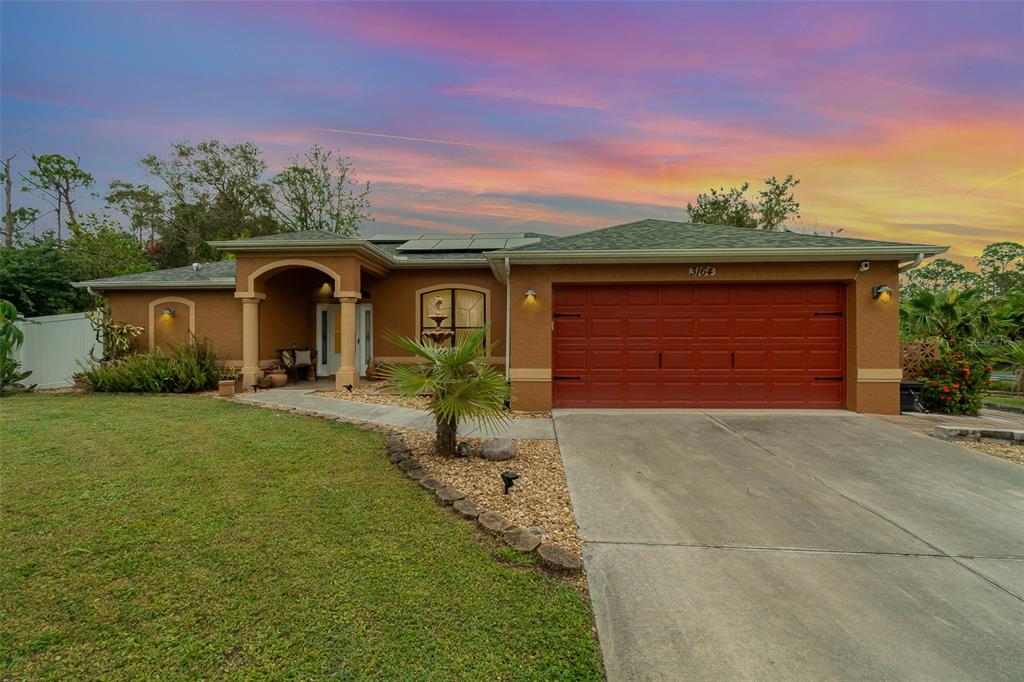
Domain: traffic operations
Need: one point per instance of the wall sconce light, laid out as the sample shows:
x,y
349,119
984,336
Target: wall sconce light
x,y
530,295
168,312
882,293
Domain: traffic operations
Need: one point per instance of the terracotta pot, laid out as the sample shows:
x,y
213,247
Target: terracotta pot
x,y
226,388
278,378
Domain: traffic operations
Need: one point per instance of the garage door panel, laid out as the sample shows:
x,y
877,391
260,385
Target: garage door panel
x,y
714,359
687,345
642,329
605,359
605,296
828,359
678,328
570,328
642,358
789,328
710,328
824,327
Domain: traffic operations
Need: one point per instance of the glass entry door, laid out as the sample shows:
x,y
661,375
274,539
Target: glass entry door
x,y
364,337
328,338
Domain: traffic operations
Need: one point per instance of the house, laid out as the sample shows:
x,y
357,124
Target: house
x,y
652,313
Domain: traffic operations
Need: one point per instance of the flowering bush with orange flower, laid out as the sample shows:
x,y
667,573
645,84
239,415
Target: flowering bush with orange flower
x,y
954,381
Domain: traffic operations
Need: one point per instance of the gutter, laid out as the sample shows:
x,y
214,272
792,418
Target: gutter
x,y
913,264
103,286
721,255
508,316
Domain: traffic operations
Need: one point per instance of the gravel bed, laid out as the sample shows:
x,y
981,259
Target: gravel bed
x,y
1013,452
378,394
538,498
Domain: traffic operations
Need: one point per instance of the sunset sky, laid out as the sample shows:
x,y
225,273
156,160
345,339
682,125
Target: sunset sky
x,y
903,121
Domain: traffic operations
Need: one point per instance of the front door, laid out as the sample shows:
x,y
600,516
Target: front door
x,y
364,337
328,338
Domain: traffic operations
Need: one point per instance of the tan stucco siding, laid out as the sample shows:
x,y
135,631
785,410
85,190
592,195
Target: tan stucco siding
x,y
218,317
396,304
872,332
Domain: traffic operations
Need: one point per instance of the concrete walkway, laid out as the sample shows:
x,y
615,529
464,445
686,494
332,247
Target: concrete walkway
x,y
404,417
731,545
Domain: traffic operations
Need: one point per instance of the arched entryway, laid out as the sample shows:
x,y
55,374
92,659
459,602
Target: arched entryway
x,y
306,303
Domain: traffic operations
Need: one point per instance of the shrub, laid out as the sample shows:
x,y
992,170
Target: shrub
x,y
11,338
192,368
953,382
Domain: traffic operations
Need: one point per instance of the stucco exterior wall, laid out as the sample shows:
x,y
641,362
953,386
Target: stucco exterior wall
x,y
872,327
218,317
395,305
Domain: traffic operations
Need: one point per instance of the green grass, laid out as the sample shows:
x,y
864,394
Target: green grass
x,y
185,537
1009,400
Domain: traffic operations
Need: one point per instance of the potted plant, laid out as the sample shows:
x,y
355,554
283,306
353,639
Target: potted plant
x,y
277,374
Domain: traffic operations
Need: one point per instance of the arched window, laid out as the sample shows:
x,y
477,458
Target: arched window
x,y
470,309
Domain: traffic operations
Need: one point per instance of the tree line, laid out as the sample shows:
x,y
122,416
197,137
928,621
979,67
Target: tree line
x,y
197,192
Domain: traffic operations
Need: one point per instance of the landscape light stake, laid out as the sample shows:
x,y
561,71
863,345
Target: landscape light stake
x,y
508,478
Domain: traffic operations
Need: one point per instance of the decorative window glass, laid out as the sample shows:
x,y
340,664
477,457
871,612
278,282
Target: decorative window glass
x,y
470,310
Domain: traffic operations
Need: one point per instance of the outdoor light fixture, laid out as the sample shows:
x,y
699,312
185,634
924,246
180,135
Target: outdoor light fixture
x,y
882,293
168,312
508,478
531,295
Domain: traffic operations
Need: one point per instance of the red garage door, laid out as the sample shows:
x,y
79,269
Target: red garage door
x,y
685,345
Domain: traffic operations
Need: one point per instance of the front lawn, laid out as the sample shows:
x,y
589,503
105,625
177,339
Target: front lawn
x,y
180,536
1007,400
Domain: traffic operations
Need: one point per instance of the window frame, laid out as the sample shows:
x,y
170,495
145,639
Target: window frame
x,y
425,323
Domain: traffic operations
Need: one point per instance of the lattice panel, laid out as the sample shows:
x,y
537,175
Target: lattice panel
x,y
915,355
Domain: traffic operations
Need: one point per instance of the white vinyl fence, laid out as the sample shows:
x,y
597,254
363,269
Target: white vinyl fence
x,y
53,346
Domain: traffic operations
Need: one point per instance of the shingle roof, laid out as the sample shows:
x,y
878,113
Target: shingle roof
x,y
220,273
653,235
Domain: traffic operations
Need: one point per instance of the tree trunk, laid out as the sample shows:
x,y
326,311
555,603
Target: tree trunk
x,y
446,438
8,209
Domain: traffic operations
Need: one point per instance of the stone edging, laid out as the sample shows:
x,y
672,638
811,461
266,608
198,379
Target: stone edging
x,y
400,454
552,556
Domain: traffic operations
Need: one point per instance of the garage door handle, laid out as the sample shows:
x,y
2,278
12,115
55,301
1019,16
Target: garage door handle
x,y
567,314
828,378
659,359
557,378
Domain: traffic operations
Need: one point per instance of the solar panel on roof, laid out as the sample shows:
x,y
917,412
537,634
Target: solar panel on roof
x,y
418,245
513,243
452,245
489,243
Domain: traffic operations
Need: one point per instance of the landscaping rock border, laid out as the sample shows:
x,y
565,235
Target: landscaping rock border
x,y
400,454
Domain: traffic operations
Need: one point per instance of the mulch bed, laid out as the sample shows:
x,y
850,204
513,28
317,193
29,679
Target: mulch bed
x,y
539,497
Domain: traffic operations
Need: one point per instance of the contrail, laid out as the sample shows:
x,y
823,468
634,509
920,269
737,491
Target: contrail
x,y
997,181
429,140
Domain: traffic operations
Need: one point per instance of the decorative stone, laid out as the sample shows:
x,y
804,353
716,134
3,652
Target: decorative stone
x,y
534,529
521,539
467,508
416,473
559,559
397,457
408,463
499,449
396,442
431,483
493,521
446,495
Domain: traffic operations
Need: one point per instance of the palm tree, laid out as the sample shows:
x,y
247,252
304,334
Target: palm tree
x,y
1013,354
951,314
460,382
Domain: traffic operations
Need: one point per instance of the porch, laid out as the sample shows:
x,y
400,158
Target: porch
x,y
317,304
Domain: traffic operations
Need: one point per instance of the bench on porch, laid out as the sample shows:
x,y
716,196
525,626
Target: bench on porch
x,y
297,359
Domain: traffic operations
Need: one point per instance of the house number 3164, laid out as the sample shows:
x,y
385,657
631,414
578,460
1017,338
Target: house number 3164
x,y
702,271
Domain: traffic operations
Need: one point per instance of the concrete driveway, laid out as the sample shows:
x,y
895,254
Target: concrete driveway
x,y
795,545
